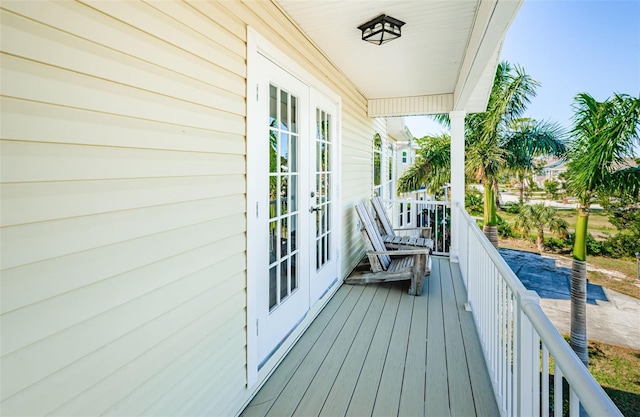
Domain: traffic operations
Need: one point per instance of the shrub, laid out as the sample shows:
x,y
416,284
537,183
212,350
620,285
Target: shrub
x,y
512,208
504,229
593,246
621,245
473,201
554,244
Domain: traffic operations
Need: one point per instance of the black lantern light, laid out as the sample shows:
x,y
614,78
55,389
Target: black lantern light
x,y
381,29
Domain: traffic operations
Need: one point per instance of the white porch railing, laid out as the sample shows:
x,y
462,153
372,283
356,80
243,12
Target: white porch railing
x,y
422,213
519,342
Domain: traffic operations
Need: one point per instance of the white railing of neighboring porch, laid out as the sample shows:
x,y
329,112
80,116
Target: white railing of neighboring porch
x,y
519,342
423,213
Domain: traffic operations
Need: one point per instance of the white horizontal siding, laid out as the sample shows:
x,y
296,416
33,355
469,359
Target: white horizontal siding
x,y
123,225
123,220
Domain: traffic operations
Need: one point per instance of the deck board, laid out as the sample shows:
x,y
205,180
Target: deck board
x,y
414,376
437,384
457,368
315,396
342,389
483,396
388,396
364,394
375,350
295,388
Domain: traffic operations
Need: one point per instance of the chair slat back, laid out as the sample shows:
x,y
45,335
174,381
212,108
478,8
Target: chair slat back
x,y
381,213
372,237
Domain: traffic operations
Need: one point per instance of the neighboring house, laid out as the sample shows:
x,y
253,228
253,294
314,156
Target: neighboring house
x,y
551,171
164,164
405,145
555,167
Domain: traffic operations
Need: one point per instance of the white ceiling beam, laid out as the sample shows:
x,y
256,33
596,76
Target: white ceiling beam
x,y
410,106
493,18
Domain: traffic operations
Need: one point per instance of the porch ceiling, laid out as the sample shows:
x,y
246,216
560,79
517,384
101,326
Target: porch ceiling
x,y
445,59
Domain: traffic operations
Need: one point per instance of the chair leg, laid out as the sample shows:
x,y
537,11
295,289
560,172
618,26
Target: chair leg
x,y
417,274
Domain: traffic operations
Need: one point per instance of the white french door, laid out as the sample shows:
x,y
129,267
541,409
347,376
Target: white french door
x,y
324,262
293,172
282,264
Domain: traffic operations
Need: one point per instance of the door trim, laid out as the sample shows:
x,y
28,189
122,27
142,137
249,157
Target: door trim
x,y
257,44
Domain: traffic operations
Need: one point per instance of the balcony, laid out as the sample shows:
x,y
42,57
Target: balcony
x,y
475,343
375,350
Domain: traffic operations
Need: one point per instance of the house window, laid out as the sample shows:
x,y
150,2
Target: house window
x,y
383,168
404,157
377,165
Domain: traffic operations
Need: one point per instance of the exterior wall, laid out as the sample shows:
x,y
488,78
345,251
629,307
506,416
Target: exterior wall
x,y
123,205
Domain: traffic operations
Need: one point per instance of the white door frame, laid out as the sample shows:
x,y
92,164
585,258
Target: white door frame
x,y
257,44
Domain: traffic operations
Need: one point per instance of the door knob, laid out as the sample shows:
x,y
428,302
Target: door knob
x,y
312,209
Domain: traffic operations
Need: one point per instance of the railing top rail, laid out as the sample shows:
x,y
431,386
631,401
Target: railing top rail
x,y
409,200
581,381
509,277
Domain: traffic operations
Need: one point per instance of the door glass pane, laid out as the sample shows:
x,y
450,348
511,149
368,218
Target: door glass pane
x,y
273,287
293,192
283,195
284,153
284,241
293,162
273,241
284,110
284,275
294,273
273,106
294,114
294,229
323,186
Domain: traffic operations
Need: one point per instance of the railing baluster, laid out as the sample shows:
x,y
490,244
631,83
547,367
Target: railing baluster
x,y
574,403
545,381
557,390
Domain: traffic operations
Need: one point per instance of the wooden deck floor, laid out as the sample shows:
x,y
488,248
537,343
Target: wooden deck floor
x,y
374,350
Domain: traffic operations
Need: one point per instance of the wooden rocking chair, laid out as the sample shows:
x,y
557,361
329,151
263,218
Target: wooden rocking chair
x,y
389,237
389,265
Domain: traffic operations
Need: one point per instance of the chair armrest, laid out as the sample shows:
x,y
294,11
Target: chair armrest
x,y
412,228
401,252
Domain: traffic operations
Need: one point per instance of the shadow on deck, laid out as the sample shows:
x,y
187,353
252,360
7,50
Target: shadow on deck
x,y
375,350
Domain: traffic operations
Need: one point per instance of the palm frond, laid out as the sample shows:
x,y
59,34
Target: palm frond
x,y
432,167
604,134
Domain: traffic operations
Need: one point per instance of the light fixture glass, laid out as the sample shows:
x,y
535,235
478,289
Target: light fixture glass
x,y
381,29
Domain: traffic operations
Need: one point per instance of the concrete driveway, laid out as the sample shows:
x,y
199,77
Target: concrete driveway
x,y
612,317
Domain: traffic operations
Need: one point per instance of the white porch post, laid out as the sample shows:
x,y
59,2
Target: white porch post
x,y
457,178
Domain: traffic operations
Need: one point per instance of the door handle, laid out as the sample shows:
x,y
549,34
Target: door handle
x,y
312,209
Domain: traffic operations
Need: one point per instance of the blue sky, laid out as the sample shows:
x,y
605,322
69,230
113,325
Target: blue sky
x,y
570,46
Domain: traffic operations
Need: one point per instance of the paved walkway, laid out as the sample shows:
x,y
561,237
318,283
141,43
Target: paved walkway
x,y
611,317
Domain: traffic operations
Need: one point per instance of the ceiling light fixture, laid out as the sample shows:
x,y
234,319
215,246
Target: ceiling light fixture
x,y
381,29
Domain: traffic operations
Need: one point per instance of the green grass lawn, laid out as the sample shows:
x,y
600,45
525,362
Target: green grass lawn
x,y
617,370
598,220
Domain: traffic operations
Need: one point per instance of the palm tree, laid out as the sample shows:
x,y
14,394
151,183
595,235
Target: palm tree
x,y
527,138
537,217
431,167
603,135
492,139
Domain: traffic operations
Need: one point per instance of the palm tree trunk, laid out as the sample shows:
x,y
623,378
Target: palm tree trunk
x,y
490,228
578,340
540,241
521,198
520,177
